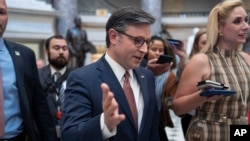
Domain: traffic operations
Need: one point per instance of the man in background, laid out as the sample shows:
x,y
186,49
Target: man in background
x,y
53,76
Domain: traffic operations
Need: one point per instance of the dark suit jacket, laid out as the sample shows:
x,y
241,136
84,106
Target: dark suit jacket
x,y
83,105
38,123
44,74
46,81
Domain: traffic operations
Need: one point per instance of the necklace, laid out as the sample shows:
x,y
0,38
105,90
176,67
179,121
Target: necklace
x,y
243,99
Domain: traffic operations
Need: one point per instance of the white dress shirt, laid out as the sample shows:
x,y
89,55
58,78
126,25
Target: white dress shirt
x,y
119,72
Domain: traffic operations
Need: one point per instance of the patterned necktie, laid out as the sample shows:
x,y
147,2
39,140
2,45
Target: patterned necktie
x,y
1,107
59,96
130,98
61,93
57,75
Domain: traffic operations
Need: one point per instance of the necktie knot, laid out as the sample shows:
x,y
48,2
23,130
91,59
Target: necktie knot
x,y
126,75
57,75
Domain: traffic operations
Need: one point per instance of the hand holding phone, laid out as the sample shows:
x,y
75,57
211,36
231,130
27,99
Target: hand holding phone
x,y
164,59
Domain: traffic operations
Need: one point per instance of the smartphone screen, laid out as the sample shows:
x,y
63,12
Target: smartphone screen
x,y
164,59
174,42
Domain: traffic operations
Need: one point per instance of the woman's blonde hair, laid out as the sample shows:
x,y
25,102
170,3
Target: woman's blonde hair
x,y
217,16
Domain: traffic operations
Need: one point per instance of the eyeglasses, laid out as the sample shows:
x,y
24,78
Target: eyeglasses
x,y
138,41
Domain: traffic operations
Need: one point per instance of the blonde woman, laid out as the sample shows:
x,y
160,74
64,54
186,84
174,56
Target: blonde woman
x,y
199,43
221,60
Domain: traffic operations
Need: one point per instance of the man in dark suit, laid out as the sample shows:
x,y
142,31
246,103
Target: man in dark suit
x,y
96,107
26,111
53,76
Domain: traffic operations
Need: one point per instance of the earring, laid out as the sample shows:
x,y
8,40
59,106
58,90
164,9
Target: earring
x,y
220,34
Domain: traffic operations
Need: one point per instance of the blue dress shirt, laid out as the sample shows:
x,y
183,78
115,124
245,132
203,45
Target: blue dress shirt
x,y
12,113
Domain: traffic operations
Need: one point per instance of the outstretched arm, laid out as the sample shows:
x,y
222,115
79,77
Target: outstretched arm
x,y
187,96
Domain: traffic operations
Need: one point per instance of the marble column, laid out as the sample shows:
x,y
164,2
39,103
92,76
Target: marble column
x,y
67,11
154,7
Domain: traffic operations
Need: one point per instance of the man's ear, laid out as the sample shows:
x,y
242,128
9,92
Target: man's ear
x,y
113,36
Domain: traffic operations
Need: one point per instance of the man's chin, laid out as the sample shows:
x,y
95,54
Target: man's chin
x,y
59,65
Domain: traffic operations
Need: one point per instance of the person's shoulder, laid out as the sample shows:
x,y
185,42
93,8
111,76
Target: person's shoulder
x,y
199,60
144,63
20,47
145,71
84,70
45,68
246,56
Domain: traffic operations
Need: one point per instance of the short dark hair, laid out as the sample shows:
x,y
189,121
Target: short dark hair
x,y
47,42
123,17
167,48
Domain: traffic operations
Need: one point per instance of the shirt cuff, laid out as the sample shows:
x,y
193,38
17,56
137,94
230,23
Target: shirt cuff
x,y
105,131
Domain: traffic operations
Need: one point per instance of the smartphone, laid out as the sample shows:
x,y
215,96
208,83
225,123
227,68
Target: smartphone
x,y
211,92
206,84
209,86
174,42
164,59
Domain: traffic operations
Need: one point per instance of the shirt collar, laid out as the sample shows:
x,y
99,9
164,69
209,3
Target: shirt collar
x,y
2,45
117,68
53,70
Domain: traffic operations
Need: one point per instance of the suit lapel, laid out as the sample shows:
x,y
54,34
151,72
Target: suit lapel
x,y
17,60
107,75
47,78
19,70
142,82
47,72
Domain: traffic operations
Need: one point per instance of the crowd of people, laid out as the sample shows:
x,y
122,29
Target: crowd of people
x,y
127,94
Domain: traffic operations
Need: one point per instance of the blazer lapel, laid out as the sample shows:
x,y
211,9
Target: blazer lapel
x,y
17,60
143,85
47,75
107,75
47,72
19,70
